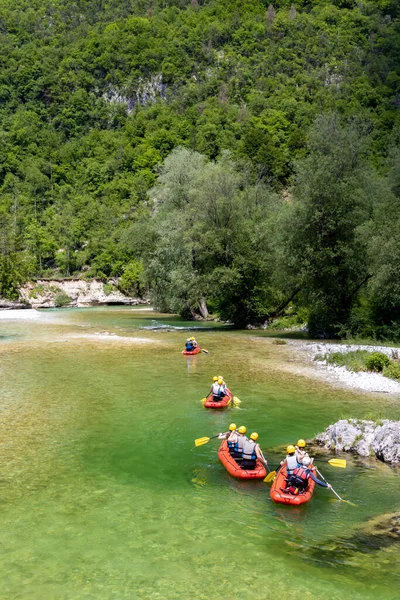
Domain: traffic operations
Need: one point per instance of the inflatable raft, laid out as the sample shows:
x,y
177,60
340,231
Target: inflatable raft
x,y
209,403
278,494
194,351
234,469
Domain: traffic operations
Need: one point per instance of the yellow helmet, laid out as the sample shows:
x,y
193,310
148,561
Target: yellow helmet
x,y
232,427
191,339
242,429
215,378
254,436
290,449
220,377
220,381
301,444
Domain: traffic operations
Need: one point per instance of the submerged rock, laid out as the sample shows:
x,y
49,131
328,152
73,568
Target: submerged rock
x,y
363,437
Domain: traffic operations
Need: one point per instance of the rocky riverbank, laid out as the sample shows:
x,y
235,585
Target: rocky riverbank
x,y
366,438
313,353
52,293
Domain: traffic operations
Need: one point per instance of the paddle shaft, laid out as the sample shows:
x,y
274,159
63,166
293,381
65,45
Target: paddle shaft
x,y
322,477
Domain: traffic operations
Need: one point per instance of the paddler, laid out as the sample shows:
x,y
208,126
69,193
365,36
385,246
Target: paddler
x,y
297,481
238,438
194,342
189,345
218,390
226,436
252,451
301,452
290,460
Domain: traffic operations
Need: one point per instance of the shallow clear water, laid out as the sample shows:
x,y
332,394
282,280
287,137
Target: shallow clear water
x,y
103,495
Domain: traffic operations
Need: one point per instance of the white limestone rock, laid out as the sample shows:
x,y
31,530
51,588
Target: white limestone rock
x,y
366,438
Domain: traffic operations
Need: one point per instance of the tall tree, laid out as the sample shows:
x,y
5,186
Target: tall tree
x,y
332,198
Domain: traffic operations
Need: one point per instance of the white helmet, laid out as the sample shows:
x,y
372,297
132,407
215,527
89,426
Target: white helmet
x,y
306,461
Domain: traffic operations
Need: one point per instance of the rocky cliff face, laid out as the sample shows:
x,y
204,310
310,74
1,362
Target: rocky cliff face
x,y
47,293
366,438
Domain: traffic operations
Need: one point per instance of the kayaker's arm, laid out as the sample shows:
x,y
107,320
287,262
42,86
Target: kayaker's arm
x,y
224,436
261,456
318,481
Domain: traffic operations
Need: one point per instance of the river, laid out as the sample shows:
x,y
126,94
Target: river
x,y
103,495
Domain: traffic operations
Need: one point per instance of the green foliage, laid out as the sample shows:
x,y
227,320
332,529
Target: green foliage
x,y
97,96
363,360
131,279
109,289
392,370
213,240
377,361
62,299
353,361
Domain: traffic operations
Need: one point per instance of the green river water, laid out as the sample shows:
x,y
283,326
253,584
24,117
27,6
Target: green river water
x,y
104,497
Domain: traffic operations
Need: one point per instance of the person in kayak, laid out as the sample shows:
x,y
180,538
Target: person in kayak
x,y
301,452
297,482
189,345
194,342
252,451
238,438
218,390
226,436
290,461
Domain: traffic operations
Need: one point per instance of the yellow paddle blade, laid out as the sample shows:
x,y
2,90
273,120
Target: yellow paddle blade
x,y
203,400
348,502
201,441
236,400
270,477
338,462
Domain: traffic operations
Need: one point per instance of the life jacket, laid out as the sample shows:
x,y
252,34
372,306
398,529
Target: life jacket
x,y
299,477
189,346
291,463
249,450
215,389
232,444
241,439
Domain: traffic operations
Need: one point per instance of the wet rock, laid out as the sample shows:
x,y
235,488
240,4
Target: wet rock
x,y
12,305
363,437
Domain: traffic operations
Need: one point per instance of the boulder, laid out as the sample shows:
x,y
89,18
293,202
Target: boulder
x,y
363,437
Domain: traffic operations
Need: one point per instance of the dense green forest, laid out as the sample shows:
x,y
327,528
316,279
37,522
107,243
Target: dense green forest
x,y
231,157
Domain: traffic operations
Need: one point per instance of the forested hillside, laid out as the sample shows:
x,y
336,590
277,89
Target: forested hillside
x,y
226,156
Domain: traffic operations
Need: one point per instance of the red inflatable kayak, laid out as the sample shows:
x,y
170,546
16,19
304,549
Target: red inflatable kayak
x,y
278,494
234,469
209,403
190,352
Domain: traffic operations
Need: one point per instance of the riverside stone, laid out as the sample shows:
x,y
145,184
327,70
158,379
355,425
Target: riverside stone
x,y
48,293
363,437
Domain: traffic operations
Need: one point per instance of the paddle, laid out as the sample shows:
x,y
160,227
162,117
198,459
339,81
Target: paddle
x,y
203,350
335,462
235,402
270,477
336,494
203,440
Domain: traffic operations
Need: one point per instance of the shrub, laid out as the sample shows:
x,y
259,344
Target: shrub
x,y
377,361
392,370
109,289
62,299
280,342
354,361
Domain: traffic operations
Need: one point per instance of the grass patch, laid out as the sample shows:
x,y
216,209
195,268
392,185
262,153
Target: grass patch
x,y
363,360
353,361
